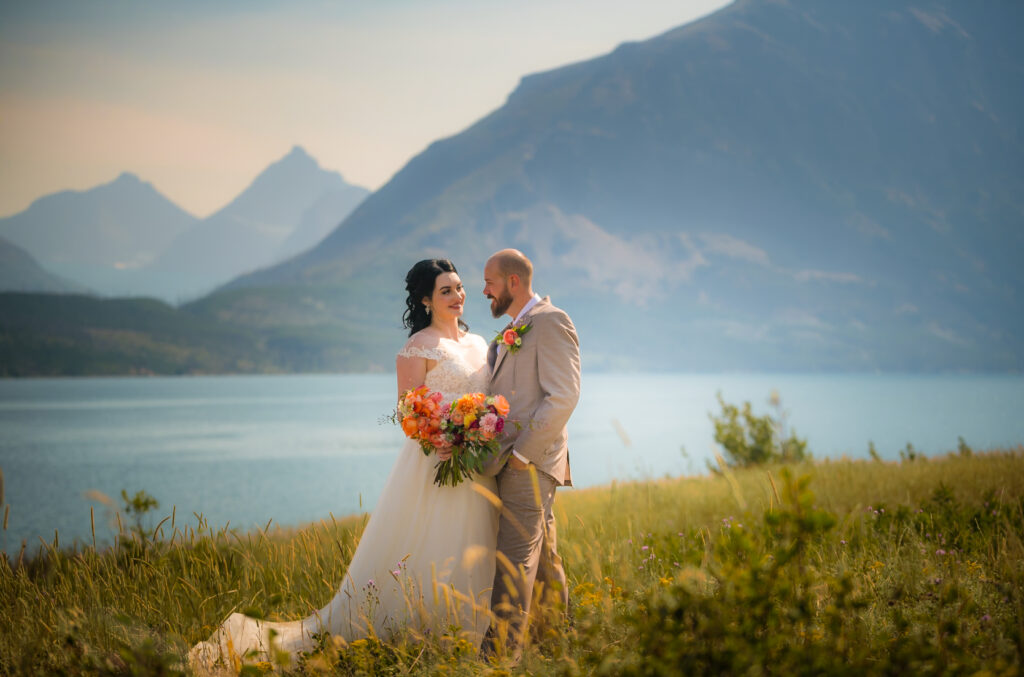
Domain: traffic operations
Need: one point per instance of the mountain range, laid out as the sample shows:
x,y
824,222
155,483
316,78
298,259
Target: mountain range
x,y
20,272
781,185
98,237
289,206
126,239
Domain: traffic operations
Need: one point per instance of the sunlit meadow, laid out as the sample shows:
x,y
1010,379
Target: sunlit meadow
x,y
842,567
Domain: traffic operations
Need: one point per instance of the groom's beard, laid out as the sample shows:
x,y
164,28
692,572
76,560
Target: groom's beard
x,y
500,304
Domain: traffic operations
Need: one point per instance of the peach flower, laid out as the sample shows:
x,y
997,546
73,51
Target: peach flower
x,y
501,405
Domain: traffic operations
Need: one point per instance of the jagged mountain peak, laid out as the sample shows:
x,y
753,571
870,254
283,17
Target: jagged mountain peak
x,y
128,178
866,152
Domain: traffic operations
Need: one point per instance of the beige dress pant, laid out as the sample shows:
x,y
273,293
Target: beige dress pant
x,y
528,563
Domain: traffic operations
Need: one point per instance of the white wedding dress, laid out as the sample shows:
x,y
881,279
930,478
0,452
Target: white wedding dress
x,y
425,561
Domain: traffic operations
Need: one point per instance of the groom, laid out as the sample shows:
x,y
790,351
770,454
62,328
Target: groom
x,y
535,364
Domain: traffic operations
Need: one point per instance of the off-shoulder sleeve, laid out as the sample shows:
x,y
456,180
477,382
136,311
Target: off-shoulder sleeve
x,y
416,351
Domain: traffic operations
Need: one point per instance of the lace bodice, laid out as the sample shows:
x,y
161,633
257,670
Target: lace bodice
x,y
457,372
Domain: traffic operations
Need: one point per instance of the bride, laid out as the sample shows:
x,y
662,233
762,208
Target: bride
x,y
426,558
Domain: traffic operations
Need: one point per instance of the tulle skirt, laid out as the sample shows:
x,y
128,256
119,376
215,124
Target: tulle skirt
x,y
424,563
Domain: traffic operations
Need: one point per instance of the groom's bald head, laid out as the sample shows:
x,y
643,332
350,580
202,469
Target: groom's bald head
x,y
513,262
508,282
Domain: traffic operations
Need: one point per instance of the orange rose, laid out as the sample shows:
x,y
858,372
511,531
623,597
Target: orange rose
x,y
501,405
509,337
409,426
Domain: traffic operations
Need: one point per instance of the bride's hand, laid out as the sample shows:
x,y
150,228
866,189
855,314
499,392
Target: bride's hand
x,y
443,451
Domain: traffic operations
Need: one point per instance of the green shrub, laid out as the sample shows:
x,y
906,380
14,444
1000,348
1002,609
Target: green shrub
x,y
755,440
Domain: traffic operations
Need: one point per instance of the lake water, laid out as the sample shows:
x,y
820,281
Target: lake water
x,y
248,449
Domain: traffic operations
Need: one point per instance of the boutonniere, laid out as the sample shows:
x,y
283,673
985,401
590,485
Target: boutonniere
x,y
512,338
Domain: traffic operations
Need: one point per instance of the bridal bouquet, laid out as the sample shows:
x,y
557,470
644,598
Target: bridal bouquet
x,y
469,427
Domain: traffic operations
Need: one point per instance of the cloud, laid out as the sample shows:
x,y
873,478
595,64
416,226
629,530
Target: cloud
x,y
946,334
824,275
795,317
937,21
733,247
744,331
637,270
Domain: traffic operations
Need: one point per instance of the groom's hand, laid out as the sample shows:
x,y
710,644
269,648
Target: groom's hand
x,y
514,462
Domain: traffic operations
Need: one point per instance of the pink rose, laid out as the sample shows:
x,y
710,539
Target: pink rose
x,y
509,337
489,423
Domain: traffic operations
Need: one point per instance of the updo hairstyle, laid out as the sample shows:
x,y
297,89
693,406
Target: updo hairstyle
x,y
420,282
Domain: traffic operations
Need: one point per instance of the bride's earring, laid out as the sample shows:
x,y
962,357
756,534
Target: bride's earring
x,y
428,308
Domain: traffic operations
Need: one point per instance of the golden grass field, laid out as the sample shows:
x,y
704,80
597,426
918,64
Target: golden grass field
x,y
835,567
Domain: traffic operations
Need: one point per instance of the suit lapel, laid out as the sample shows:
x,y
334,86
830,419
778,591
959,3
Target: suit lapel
x,y
498,361
502,353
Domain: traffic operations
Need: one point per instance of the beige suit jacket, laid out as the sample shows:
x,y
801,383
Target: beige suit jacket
x,y
541,381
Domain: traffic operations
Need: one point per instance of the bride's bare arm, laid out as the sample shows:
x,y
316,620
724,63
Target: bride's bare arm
x,y
412,366
412,372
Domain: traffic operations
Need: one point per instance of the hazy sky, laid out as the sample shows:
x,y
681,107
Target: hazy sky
x,y
197,97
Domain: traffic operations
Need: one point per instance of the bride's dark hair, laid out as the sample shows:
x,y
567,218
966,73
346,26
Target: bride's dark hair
x,y
419,282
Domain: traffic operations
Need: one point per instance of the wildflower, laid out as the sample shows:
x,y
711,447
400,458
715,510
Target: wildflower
x,y
644,548
940,552
843,542
675,563
986,618
936,581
